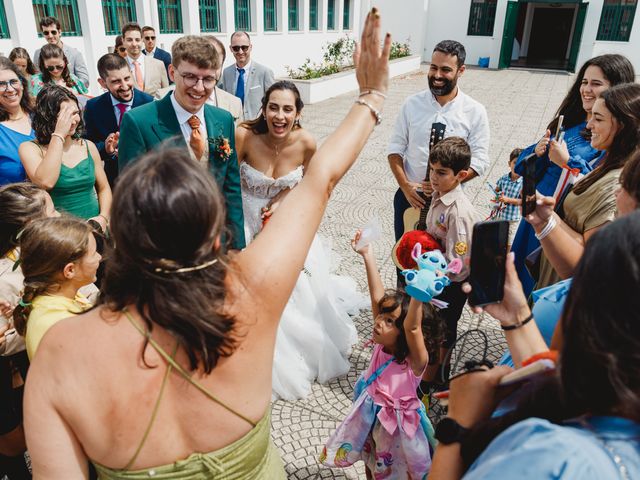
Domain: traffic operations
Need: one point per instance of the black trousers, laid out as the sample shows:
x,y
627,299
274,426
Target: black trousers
x,y
456,299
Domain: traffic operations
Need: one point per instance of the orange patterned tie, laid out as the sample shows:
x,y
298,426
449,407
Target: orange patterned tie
x,y
139,78
196,142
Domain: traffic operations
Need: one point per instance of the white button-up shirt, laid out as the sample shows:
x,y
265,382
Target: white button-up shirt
x,y
463,116
116,110
183,119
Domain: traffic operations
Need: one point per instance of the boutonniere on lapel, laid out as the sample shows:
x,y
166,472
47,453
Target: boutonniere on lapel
x,y
221,147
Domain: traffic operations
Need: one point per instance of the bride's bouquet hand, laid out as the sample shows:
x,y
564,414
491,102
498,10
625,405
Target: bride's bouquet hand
x,y
372,61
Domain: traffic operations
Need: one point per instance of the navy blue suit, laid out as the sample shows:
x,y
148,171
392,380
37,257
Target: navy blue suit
x,y
100,122
164,57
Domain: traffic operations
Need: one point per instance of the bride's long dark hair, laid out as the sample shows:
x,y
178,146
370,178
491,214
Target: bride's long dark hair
x,y
259,124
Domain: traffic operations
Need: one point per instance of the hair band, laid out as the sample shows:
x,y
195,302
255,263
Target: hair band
x,y
24,304
202,266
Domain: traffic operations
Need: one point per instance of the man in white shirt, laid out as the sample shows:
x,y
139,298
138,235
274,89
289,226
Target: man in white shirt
x,y
149,74
443,102
246,79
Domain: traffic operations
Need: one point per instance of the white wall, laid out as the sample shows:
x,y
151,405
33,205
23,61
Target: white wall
x,y
405,19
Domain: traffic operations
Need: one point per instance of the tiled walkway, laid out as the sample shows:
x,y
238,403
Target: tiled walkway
x,y
519,104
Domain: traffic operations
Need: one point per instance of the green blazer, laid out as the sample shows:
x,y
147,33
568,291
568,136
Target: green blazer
x,y
147,126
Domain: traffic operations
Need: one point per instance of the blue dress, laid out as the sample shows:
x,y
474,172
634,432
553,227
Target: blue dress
x,y
540,450
11,169
582,157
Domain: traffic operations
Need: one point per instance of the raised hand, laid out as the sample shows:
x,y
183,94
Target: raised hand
x,y
111,143
364,251
65,119
558,153
541,147
372,61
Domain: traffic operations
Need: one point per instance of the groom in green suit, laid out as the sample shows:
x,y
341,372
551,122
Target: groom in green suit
x,y
207,131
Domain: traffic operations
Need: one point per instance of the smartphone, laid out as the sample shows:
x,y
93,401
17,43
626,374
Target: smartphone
x,y
537,368
529,185
559,128
488,257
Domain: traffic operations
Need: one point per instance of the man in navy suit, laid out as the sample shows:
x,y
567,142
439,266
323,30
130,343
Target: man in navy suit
x,y
149,38
103,114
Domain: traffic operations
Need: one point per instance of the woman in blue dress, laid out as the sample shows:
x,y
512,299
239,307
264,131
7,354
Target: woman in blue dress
x,y
15,121
575,152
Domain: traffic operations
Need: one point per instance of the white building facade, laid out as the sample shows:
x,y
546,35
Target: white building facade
x,y
532,34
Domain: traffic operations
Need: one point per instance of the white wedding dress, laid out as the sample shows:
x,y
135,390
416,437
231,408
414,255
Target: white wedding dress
x,y
316,333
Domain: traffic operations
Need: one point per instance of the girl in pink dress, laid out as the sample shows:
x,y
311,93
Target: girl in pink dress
x,y
387,427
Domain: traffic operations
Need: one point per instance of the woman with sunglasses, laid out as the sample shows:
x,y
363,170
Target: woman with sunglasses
x,y
120,49
15,121
54,69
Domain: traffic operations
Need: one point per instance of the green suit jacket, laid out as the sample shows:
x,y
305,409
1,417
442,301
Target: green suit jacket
x,y
149,125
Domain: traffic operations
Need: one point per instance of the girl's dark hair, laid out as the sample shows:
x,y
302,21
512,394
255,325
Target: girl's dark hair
x,y
167,214
20,52
630,176
20,203
432,324
53,51
599,369
616,69
259,125
25,101
623,101
47,109
46,246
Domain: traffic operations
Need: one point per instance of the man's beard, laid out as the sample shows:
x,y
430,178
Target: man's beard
x,y
445,89
118,96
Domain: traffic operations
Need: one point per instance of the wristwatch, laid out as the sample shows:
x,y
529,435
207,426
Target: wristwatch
x,y
449,431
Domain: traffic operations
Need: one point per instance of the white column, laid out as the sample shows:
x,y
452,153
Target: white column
x,y
95,39
191,17
282,11
24,33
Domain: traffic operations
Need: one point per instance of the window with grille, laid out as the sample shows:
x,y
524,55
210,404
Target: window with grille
x,y
242,15
270,16
313,14
170,12
616,20
209,16
65,11
116,13
346,15
482,17
294,23
331,14
4,28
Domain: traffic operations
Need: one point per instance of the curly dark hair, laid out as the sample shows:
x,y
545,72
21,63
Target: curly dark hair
x,y
259,125
599,369
25,102
48,52
167,214
616,68
47,109
433,327
623,101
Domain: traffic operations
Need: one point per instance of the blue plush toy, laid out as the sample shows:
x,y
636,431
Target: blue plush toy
x,y
431,277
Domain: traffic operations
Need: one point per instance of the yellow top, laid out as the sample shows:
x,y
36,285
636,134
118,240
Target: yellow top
x,y
46,311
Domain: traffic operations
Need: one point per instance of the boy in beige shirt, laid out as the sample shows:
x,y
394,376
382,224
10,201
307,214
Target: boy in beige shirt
x,y
450,220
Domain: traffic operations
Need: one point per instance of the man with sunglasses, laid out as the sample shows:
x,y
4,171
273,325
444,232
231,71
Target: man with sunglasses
x,y
149,37
246,79
185,117
50,28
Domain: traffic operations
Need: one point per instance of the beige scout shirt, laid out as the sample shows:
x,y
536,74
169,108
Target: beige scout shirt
x,y
450,220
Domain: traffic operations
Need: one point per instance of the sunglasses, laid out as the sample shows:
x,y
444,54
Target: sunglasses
x,y
46,33
149,38
237,48
122,49
52,68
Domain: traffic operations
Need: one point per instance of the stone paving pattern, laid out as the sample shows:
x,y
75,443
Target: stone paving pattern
x,y
519,104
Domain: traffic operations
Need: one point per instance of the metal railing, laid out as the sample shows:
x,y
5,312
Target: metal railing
x,y
270,16
242,15
346,15
331,14
294,22
65,11
4,27
616,20
170,12
116,13
313,14
209,16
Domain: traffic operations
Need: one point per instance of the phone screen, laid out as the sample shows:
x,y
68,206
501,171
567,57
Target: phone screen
x,y
529,185
488,257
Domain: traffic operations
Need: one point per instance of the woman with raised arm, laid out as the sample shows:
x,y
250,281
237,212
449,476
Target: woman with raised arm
x,y
315,333
182,326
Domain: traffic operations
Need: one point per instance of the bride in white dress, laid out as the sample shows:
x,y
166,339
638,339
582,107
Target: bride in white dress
x,y
316,333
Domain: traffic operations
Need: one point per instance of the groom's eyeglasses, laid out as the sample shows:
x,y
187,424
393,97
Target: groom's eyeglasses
x,y
237,48
191,80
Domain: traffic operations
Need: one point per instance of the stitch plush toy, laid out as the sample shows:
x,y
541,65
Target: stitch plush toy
x,y
431,277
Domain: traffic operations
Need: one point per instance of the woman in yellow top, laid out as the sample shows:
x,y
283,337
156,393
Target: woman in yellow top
x,y
181,385
58,257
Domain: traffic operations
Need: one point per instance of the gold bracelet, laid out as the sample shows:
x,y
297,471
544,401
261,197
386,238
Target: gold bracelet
x,y
54,134
371,91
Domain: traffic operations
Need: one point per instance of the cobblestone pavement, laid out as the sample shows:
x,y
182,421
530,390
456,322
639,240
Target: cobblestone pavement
x,y
519,103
